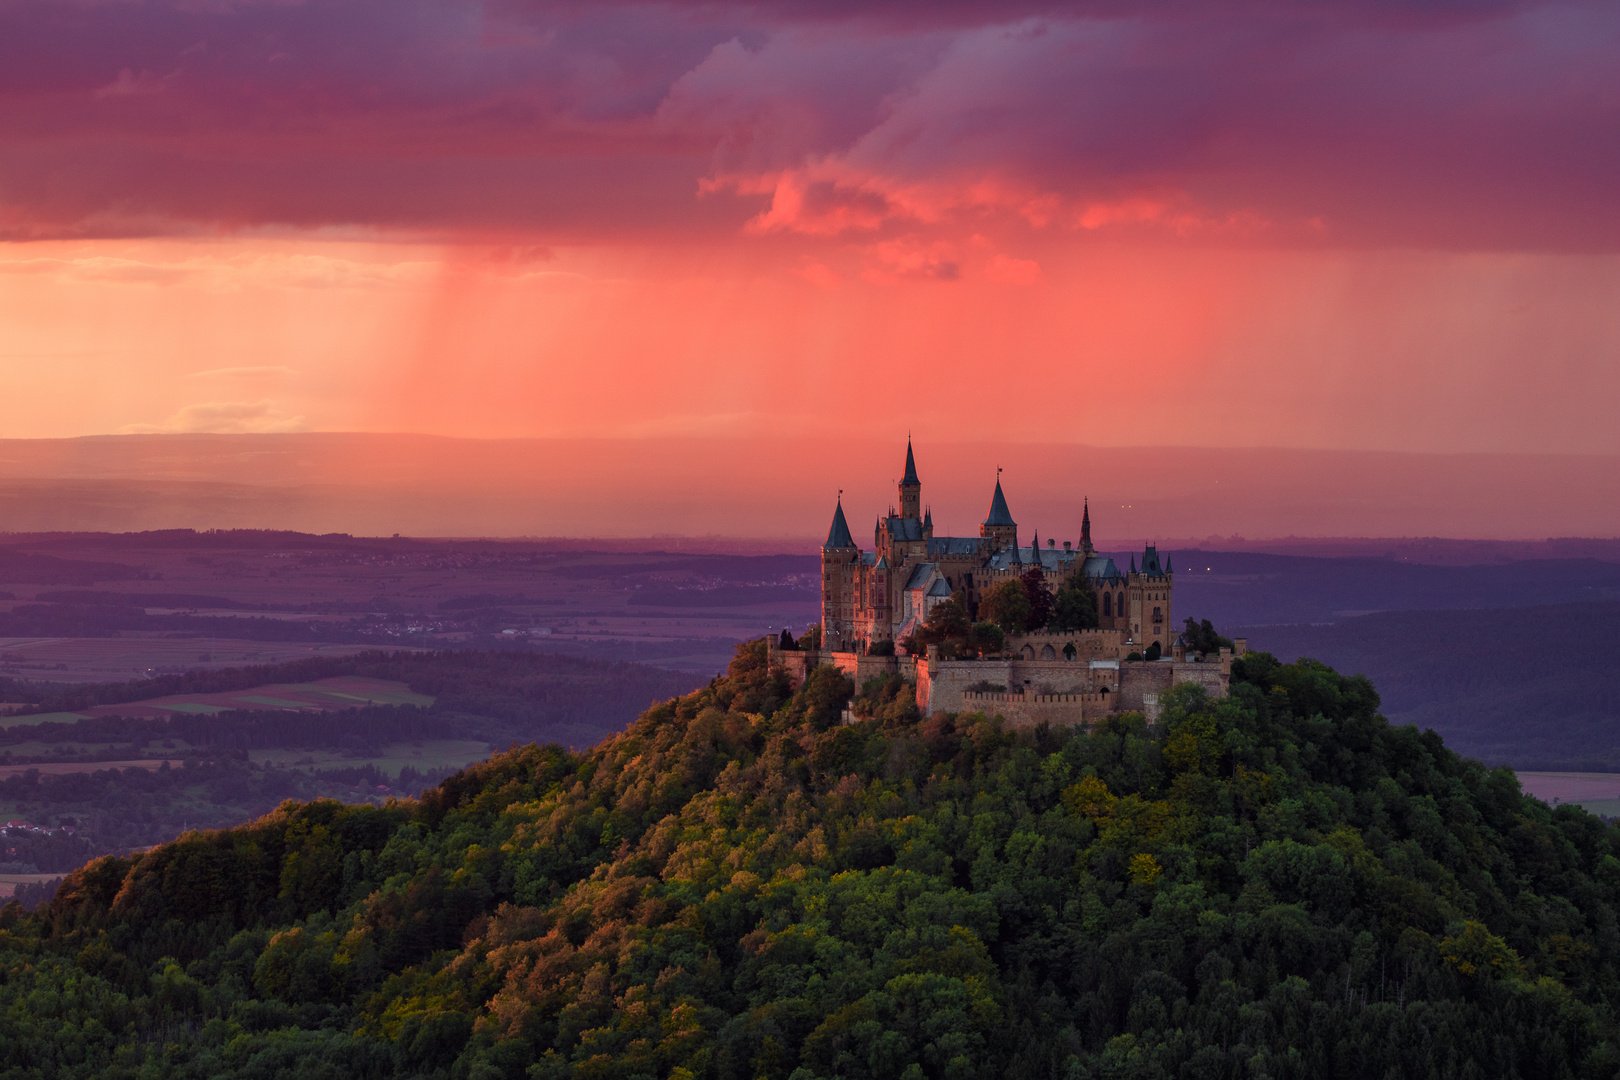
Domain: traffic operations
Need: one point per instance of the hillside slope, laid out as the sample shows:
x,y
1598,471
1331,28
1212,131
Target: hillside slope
x,y
1279,884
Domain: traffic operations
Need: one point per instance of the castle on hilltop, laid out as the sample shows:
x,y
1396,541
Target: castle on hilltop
x,y
873,602
885,594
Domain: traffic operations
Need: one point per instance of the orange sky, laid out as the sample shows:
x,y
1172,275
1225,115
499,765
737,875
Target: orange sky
x,y
1099,344
1375,225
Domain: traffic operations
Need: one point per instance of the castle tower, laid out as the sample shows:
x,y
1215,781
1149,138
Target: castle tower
x,y
838,557
1086,550
1148,595
999,527
910,488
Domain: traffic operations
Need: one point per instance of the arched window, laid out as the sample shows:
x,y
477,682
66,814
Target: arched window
x,y
1119,604
1108,603
1048,653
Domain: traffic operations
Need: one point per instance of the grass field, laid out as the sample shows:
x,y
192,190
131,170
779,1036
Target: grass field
x,y
133,655
341,692
8,882
423,756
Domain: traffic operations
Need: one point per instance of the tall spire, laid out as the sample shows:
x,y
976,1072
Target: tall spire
x,y
1035,549
910,488
1085,529
999,514
838,536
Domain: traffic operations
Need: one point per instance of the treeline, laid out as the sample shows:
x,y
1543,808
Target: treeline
x,y
116,809
1275,884
520,687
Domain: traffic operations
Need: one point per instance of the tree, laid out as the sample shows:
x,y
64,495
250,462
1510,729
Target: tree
x,y
987,638
1040,600
1007,605
786,642
1201,637
947,622
1075,607
1153,652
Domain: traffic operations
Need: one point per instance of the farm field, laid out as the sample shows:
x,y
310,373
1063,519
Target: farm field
x,y
424,756
1598,793
341,692
134,654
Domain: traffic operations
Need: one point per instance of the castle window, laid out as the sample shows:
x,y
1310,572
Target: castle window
x,y
1119,604
1108,603
1158,615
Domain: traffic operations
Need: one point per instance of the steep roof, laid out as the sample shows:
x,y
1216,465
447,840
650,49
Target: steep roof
x,y
939,588
955,545
911,467
1150,562
905,528
999,514
919,574
838,536
1100,568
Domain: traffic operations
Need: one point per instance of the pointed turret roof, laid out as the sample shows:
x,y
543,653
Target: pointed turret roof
x,y
911,466
928,518
838,536
1085,526
999,514
1035,549
1133,564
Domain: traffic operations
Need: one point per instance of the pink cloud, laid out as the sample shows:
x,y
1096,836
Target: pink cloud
x,y
1368,124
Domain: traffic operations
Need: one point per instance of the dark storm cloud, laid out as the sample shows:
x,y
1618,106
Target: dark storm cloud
x,y
1451,124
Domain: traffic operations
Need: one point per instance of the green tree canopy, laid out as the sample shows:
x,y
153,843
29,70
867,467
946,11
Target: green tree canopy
x,y
1075,607
1277,883
1007,605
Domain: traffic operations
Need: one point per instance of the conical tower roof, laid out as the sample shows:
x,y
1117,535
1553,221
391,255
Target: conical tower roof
x,y
999,514
911,466
838,536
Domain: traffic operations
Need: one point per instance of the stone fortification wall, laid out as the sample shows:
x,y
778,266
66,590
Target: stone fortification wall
x,y
1088,688
798,663
1021,710
941,684
1097,644
1141,682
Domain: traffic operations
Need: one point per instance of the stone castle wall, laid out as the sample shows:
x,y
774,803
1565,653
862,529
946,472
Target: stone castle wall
x,y
1055,691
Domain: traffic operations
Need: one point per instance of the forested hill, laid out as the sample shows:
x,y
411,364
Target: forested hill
x,y
1278,884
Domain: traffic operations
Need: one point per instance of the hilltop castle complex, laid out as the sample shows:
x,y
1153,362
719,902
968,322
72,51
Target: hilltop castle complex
x,y
874,600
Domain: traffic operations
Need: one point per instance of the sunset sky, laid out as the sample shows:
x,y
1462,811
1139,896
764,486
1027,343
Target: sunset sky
x,y
1378,225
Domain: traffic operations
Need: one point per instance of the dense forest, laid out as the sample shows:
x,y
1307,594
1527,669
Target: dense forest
x,y
1275,884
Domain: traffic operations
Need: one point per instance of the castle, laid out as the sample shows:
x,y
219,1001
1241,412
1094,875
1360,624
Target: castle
x,y
873,601
886,594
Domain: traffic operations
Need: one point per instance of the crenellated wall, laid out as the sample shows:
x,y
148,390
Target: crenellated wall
x,y
1056,691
